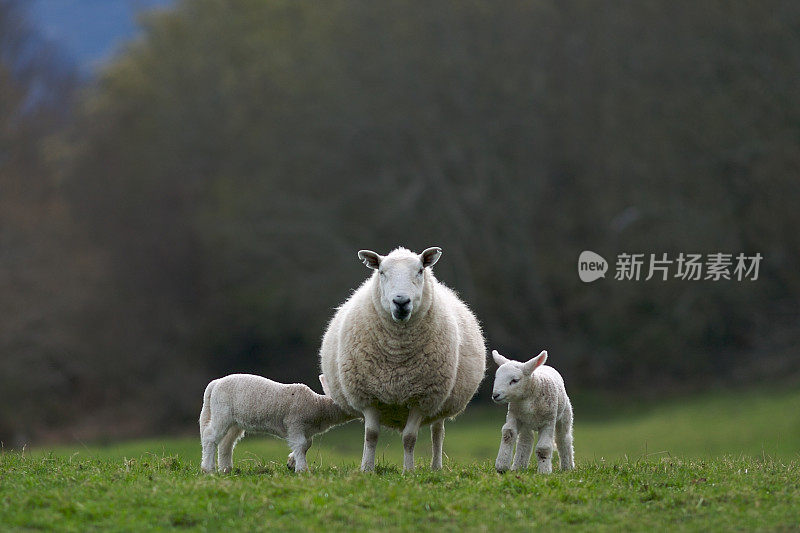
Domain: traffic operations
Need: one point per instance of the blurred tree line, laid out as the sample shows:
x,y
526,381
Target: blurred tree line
x,y
223,171
50,272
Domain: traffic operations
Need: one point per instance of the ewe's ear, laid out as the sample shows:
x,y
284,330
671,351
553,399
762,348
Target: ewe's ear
x,y
370,258
324,384
430,256
499,359
534,363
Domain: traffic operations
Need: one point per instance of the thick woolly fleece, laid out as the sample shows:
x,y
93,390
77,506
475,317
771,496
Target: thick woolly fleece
x,y
241,403
540,403
433,363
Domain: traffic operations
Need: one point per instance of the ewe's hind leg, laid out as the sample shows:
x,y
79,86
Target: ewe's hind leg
x,y
410,438
437,440
524,448
566,453
225,449
544,449
372,427
507,441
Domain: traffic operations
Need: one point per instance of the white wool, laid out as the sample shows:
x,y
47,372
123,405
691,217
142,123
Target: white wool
x,y
537,401
241,403
403,370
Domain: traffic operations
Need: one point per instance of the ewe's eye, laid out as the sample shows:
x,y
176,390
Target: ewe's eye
x,y
420,272
514,381
382,273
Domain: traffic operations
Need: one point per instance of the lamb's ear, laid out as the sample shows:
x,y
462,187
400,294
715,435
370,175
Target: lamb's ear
x,y
324,384
534,363
370,258
499,359
430,256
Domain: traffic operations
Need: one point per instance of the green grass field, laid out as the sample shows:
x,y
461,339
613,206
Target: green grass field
x,y
721,461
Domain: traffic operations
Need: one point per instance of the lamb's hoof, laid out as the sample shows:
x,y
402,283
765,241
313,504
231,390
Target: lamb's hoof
x,y
501,469
207,471
290,461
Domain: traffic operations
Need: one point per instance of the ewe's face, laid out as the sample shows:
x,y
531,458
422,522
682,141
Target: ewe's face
x,y
508,383
401,278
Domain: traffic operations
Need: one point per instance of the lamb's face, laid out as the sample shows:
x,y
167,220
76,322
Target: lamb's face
x,y
512,377
401,279
509,383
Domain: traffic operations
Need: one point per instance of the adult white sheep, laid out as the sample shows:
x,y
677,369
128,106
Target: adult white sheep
x,y
403,351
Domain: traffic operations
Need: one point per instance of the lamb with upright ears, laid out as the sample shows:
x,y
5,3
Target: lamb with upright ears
x,y
537,401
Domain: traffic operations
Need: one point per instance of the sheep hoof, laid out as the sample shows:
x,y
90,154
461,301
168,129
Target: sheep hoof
x,y
290,461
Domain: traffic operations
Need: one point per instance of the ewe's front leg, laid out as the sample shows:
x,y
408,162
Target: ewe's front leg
x,y
524,448
544,449
410,438
372,427
507,441
437,440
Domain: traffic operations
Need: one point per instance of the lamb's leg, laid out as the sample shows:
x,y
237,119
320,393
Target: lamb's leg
x,y
372,426
410,438
300,445
544,449
566,453
208,438
225,449
522,456
507,441
437,440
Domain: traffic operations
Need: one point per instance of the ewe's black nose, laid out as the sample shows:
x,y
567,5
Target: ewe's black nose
x,y
401,301
495,396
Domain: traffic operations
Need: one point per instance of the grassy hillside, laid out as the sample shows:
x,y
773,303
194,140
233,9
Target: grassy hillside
x,y
752,423
722,461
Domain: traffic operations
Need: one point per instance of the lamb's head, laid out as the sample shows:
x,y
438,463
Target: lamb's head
x,y
512,377
401,278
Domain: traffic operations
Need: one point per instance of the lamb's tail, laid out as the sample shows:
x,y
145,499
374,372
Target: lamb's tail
x,y
205,412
